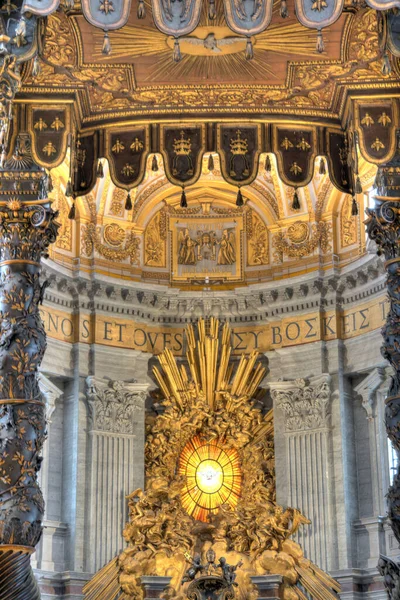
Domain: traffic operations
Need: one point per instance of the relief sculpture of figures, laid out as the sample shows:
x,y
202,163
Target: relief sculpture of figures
x,y
227,248
187,248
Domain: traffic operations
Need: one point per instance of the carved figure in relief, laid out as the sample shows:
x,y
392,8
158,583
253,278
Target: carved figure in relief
x,y
196,567
227,250
228,571
187,247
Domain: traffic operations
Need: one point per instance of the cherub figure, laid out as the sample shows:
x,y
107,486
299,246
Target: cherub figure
x,y
192,571
229,571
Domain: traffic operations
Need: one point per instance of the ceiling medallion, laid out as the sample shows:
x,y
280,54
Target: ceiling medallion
x,y
114,235
298,232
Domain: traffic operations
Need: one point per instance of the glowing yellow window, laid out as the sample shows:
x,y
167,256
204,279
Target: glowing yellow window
x,y
212,477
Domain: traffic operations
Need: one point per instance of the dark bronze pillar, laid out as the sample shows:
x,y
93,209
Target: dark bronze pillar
x,y
383,226
27,227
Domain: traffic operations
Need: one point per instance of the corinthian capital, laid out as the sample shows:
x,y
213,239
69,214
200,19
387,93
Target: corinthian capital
x,y
305,402
114,406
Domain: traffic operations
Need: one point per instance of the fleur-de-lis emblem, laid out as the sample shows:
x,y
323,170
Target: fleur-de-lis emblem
x,y
367,120
377,145
8,7
106,6
127,170
57,124
296,169
303,144
286,143
41,125
136,145
118,147
319,5
49,149
384,119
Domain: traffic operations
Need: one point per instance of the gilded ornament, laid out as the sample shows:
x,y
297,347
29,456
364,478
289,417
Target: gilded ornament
x,y
136,145
238,145
90,240
49,149
286,144
128,170
298,232
384,119
113,234
106,6
154,241
367,120
295,168
182,146
118,147
348,224
320,236
319,5
40,125
257,240
303,144
57,124
377,145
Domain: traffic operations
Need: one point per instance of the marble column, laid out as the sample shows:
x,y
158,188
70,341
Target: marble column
x,y
383,226
27,228
116,462
304,407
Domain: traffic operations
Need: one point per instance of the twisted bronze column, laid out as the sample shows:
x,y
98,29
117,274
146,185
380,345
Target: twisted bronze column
x,y
383,226
27,227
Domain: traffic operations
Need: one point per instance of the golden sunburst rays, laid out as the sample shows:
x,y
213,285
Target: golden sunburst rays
x,y
211,373
212,476
134,42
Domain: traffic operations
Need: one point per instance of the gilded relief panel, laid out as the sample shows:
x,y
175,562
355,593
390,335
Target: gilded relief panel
x,y
348,224
206,247
257,240
155,241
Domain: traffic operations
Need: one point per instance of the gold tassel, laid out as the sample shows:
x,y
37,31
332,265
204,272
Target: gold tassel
x,y
106,49
358,186
268,165
386,66
177,51
239,198
296,200
141,10
154,163
322,168
320,42
354,207
249,53
212,13
72,212
284,9
100,170
183,199
128,202
68,189
210,163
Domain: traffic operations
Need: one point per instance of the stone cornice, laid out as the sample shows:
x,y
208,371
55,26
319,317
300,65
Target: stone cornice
x,y
160,304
